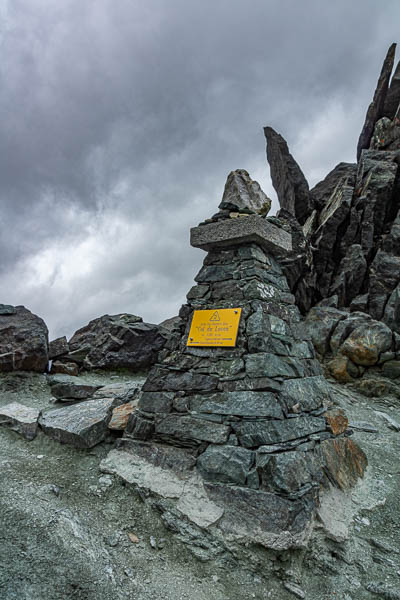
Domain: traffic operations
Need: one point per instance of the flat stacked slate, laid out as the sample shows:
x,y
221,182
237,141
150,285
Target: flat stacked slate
x,y
251,417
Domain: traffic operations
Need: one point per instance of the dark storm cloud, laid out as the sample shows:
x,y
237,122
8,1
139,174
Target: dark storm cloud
x,y
119,122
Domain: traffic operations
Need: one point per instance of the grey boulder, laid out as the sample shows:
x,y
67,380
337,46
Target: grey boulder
x,y
117,341
24,341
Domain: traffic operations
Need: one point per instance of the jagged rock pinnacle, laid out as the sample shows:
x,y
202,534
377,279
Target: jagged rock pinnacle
x,y
287,177
376,108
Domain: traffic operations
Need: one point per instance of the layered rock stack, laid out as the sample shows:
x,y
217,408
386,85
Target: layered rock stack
x,y
240,435
347,228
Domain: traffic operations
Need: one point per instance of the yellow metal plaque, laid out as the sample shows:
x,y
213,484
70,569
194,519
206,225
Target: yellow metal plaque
x,y
217,327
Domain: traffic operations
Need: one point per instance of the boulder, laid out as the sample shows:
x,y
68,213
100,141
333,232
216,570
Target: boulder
x,y
20,418
367,342
23,341
321,322
344,328
117,342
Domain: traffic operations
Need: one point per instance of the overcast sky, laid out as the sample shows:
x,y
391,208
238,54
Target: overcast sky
x,y
121,119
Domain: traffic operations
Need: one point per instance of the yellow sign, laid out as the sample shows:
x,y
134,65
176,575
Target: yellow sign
x,y
214,327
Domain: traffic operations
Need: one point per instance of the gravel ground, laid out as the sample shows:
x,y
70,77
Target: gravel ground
x,y
66,529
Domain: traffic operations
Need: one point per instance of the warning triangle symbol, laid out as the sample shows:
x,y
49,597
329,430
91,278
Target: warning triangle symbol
x,y
215,316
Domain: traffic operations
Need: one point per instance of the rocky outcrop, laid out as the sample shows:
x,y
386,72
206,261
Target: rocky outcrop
x,y
116,342
23,340
349,255
245,424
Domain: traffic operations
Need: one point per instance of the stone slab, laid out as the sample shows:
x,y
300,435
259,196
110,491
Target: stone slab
x,y
73,391
257,433
242,404
251,229
20,418
187,488
81,425
191,429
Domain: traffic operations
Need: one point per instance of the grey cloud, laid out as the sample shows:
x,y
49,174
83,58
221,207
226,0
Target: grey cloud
x,y
139,111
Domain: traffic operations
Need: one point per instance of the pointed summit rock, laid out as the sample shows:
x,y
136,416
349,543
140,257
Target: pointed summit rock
x,y
287,177
376,108
236,435
242,194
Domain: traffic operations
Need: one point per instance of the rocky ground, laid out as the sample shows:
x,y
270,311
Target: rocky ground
x,y
70,531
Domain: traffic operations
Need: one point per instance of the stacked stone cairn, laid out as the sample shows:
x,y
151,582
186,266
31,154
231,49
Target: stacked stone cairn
x,y
251,420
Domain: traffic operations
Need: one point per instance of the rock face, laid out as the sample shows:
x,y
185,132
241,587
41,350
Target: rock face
x,y
23,340
250,416
116,341
347,252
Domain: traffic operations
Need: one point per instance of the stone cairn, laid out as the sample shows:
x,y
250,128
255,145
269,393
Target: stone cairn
x,y
250,421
